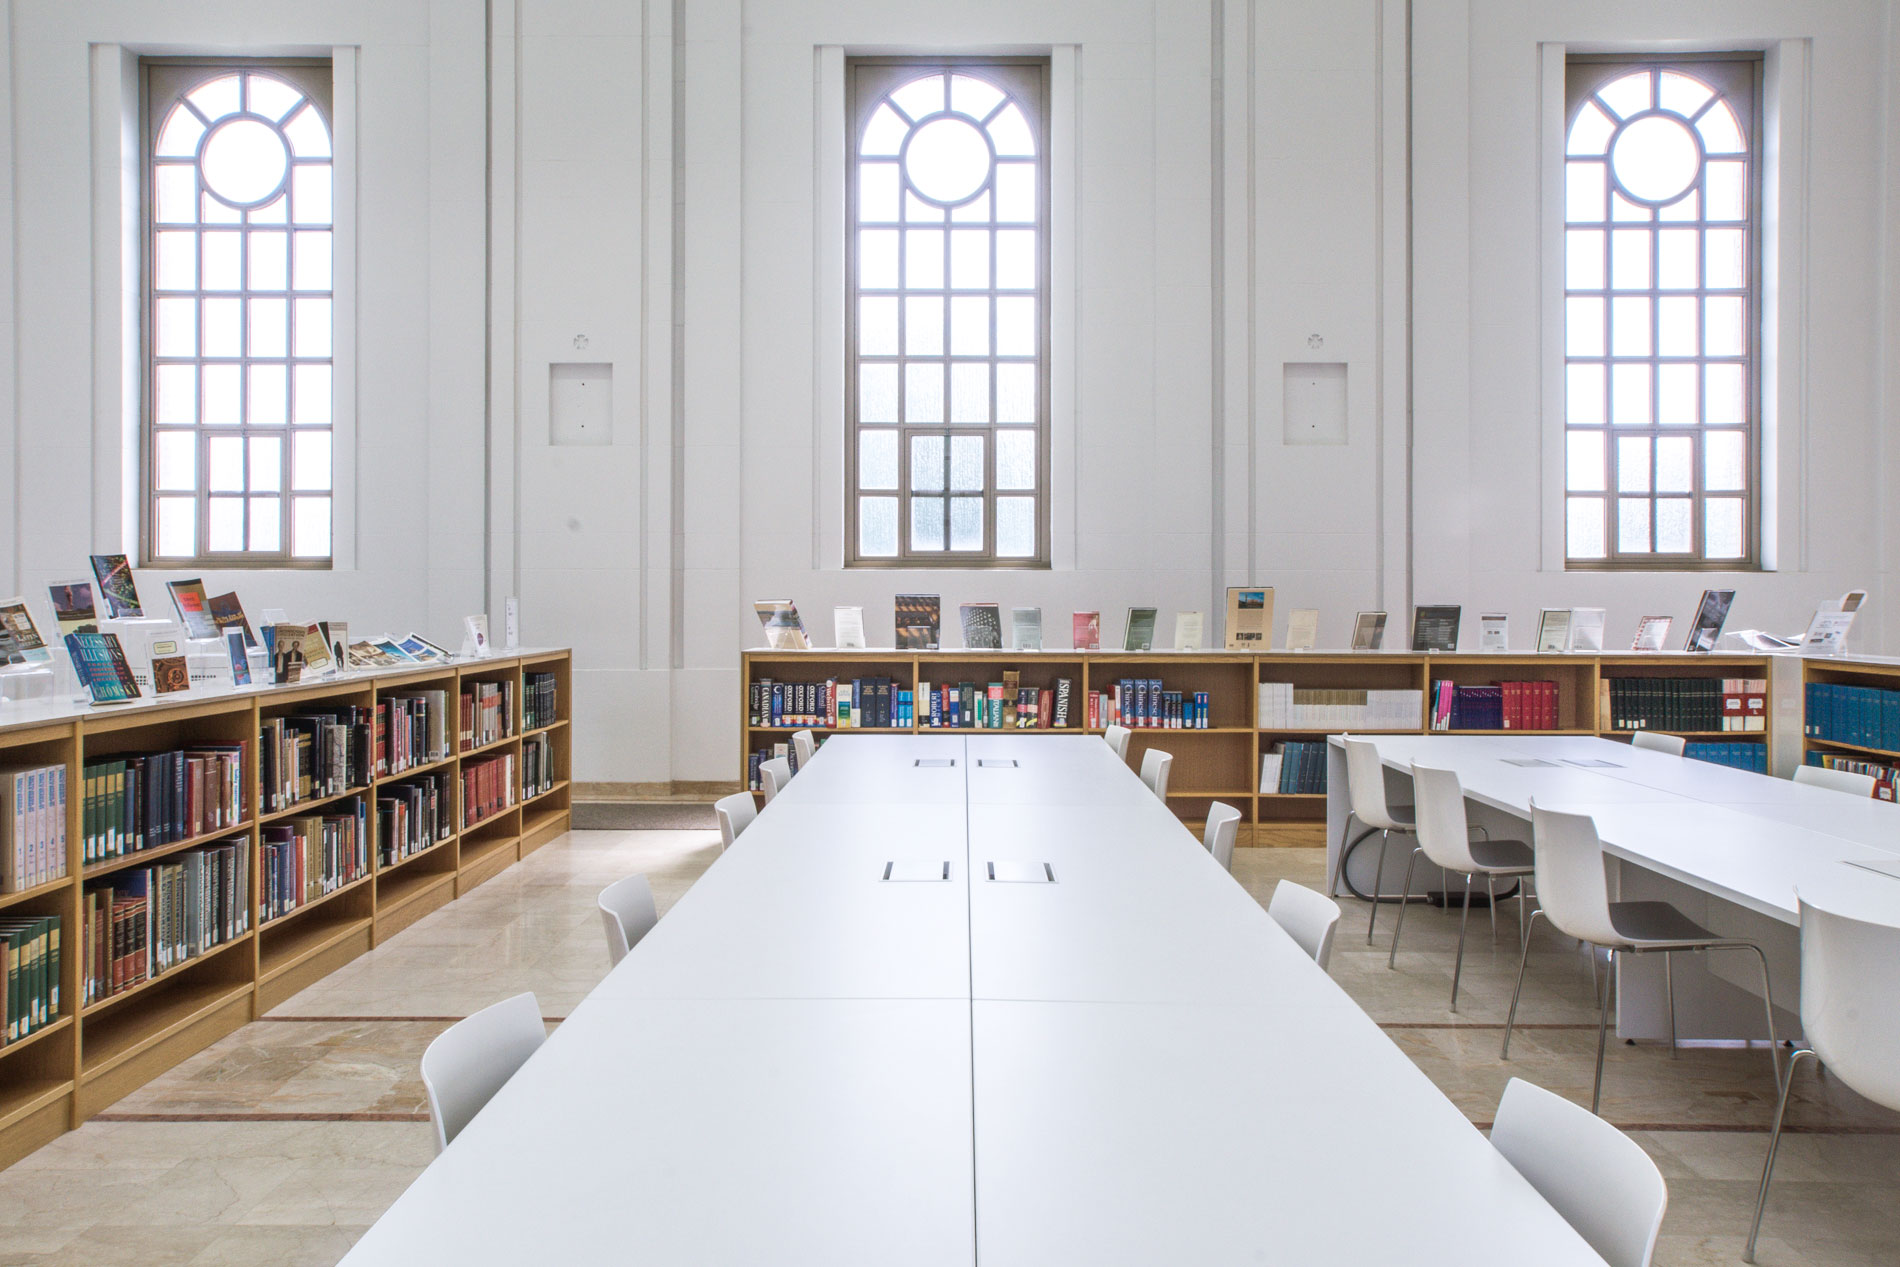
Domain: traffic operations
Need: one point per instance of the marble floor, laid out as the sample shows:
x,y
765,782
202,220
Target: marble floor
x,y
283,1142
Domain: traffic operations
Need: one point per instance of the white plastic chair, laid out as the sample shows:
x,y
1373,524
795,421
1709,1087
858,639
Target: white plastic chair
x,y
1573,893
1850,1013
805,745
1118,737
1154,771
1309,918
773,776
1598,1178
470,1060
735,813
1223,827
627,910
1656,741
1366,803
1849,781
1444,836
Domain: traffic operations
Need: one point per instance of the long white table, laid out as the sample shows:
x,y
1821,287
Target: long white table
x,y
806,1062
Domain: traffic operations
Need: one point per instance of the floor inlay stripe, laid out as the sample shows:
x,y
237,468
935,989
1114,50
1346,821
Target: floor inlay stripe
x,y
110,1116
358,1020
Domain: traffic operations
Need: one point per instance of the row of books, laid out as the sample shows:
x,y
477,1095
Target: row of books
x,y
1005,705
1742,756
413,815
144,801
488,713
537,766
1866,716
32,826
1294,768
859,703
1145,704
311,855
1684,704
540,700
413,730
488,788
149,920
310,755
1284,706
29,975
1502,706
1886,777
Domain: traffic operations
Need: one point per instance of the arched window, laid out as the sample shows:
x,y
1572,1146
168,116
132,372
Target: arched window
x,y
948,313
1661,313
239,293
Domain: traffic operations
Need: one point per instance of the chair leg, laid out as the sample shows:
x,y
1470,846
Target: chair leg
x,y
1458,965
1669,986
1522,963
1774,1143
1491,893
1603,1025
1378,878
1405,900
1332,878
1768,1007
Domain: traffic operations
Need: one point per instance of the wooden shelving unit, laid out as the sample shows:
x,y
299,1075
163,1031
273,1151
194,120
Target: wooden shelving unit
x,y
1873,673
1222,763
93,1055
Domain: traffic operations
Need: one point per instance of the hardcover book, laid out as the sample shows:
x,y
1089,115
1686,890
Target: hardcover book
x,y
1139,633
982,626
194,609
1025,628
1435,628
170,674
1711,614
228,613
919,621
1302,629
1085,631
1368,631
784,631
100,664
17,622
1249,618
1553,629
72,607
116,587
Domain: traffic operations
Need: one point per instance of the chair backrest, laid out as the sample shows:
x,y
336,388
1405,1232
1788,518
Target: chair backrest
x,y
805,744
627,910
1849,781
1571,886
735,813
1118,737
773,776
1365,784
1308,916
1223,827
1598,1178
1850,999
470,1060
1154,771
1656,741
1444,833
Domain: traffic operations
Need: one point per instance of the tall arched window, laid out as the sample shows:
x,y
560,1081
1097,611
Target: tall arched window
x,y
1661,313
948,313
238,306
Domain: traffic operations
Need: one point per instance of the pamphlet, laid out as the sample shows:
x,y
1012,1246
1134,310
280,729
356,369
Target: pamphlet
x,y
1494,632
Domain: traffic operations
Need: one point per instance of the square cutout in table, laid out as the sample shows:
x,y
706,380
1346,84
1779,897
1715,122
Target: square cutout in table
x,y
935,763
1022,873
1529,761
916,872
996,763
1594,764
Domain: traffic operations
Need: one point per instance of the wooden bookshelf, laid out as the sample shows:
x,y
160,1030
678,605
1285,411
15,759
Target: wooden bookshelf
x,y
1222,762
94,1054
1825,735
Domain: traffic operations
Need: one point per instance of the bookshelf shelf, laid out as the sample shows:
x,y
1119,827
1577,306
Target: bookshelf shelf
x,y
560,785
60,1075
1884,754
1202,794
542,730
428,851
493,745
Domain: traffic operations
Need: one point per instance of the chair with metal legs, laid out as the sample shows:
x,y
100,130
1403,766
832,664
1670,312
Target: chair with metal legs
x,y
1366,804
1850,1017
1573,893
1444,837
1118,737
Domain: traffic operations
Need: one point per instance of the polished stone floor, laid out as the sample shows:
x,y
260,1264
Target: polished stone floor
x,y
281,1143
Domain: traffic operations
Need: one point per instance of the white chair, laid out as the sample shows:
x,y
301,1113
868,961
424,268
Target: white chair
x,y
1309,918
1366,804
470,1060
1658,742
627,910
1118,737
1848,781
1850,1014
1154,771
735,813
1573,894
1598,1178
1223,826
804,746
1444,836
773,776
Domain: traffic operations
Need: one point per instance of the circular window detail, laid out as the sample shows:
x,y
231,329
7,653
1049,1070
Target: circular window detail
x,y
1656,158
947,160
244,161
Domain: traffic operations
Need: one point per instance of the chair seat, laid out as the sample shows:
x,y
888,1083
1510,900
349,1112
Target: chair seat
x,y
1657,924
1502,856
1404,818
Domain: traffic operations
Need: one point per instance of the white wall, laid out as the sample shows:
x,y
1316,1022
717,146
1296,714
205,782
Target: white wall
x,y
1240,185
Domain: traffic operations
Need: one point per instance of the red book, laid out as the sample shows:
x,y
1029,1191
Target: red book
x,y
1045,707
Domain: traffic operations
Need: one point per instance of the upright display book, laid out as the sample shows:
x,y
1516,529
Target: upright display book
x,y
1249,618
1435,628
1586,628
336,641
418,647
1652,632
784,631
372,654
847,627
1368,631
919,622
228,613
116,587
1025,628
171,674
1710,615
474,636
1188,627
239,654
1553,630
99,663
289,656
72,607
1302,629
1826,635
982,626
1494,632
194,609
1085,631
17,622
1139,633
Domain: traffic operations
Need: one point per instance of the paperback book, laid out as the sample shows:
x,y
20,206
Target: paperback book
x,y
784,631
99,663
421,649
72,607
228,613
1435,628
1139,633
1187,631
474,636
114,575
239,655
847,625
336,641
1368,631
1711,614
171,674
1494,632
16,625
982,626
919,621
1586,628
1249,618
289,656
1085,631
194,609
1553,630
1025,628
1302,629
